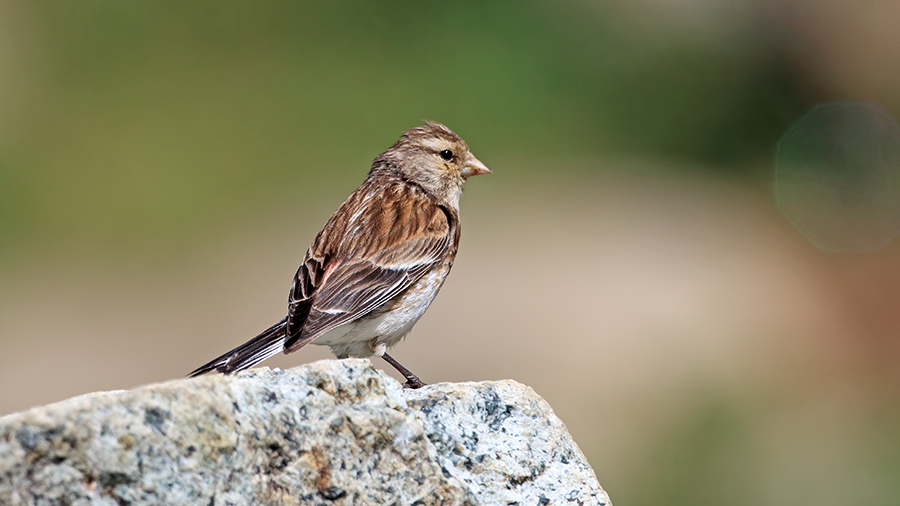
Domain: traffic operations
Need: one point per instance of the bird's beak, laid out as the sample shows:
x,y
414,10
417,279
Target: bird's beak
x,y
474,167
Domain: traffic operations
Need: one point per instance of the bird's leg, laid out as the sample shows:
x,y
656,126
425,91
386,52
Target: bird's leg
x,y
412,381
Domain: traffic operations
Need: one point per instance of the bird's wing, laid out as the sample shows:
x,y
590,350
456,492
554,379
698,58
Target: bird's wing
x,y
357,265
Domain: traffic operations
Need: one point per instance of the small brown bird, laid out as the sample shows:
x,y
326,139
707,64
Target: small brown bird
x,y
380,260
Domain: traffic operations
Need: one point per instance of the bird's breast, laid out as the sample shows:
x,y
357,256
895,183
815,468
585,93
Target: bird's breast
x,y
389,323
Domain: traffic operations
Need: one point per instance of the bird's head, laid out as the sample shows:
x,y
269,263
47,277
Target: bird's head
x,y
433,157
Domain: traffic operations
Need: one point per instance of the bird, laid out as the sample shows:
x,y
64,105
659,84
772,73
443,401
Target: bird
x,y
379,261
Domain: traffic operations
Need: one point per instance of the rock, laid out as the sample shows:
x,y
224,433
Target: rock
x,y
331,432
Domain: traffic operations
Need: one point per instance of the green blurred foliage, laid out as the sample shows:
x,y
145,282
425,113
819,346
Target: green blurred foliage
x,y
705,460
780,449
141,126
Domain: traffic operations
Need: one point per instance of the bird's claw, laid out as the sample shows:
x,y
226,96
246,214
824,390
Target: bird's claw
x,y
414,383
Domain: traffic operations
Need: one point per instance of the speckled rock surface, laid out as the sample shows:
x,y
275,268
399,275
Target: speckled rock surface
x,y
331,432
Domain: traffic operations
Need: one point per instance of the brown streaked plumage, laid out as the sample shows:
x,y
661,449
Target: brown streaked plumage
x,y
379,261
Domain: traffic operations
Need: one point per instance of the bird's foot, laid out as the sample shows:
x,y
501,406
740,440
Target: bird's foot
x,y
414,382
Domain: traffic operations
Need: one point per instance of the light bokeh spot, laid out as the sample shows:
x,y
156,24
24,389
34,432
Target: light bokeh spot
x,y
836,177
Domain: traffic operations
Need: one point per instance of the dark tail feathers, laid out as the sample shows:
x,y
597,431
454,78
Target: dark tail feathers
x,y
261,347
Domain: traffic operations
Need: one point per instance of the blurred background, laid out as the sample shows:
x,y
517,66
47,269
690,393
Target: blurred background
x,y
164,166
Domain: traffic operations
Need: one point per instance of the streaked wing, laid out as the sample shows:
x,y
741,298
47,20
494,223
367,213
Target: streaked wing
x,y
355,267
309,276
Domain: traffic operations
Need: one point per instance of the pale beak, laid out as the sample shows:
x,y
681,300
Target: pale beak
x,y
474,167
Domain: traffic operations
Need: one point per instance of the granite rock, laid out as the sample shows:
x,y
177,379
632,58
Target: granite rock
x,y
331,432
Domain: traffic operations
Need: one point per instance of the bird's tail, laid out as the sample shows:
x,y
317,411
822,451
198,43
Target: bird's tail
x,y
261,347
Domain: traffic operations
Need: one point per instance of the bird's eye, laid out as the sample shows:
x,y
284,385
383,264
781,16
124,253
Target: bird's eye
x,y
447,154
